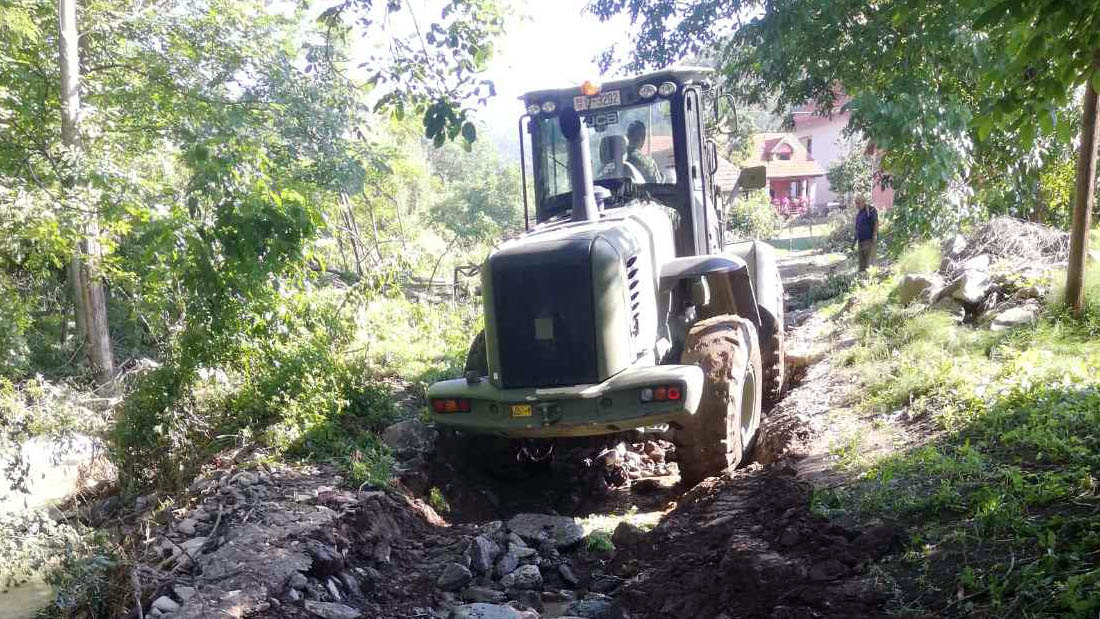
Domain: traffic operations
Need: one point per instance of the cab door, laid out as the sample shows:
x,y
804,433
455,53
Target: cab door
x,y
703,214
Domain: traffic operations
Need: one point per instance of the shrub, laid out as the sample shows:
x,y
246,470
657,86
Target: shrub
x,y
922,258
317,385
753,216
14,321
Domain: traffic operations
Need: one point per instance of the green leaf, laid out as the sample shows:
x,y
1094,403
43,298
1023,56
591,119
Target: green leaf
x,y
469,132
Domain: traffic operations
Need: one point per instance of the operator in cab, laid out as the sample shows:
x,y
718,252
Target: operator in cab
x,y
636,136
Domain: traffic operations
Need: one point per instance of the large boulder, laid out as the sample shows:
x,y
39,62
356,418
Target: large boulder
x,y
981,262
525,577
919,286
409,438
454,577
970,288
561,531
1015,317
482,552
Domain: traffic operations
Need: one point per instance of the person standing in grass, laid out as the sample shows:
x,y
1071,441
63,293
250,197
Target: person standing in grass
x,y
866,231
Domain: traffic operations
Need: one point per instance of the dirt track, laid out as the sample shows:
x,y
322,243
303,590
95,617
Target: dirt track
x,y
740,546
746,545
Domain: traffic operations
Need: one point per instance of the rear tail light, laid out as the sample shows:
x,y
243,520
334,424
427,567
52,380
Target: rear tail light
x,y
451,405
661,393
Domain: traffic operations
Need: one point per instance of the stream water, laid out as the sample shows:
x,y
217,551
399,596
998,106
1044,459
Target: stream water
x,y
53,474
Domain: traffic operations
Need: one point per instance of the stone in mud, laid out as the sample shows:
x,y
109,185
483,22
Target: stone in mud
x,y
297,581
482,552
326,560
331,610
186,526
654,451
486,611
562,531
627,535
184,593
409,438
523,552
482,594
526,599
527,577
166,604
1015,317
454,577
507,564
590,609
351,583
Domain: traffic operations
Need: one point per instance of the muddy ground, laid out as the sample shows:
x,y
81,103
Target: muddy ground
x,y
271,540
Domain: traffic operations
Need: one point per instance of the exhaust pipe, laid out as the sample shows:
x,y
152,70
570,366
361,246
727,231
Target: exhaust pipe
x,y
580,166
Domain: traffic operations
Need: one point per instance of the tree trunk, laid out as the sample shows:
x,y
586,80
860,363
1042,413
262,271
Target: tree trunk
x,y
353,233
1084,200
88,296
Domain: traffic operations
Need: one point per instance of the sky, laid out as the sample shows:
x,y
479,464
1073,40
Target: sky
x,y
546,44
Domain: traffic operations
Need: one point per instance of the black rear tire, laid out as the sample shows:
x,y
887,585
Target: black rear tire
x,y
721,433
774,353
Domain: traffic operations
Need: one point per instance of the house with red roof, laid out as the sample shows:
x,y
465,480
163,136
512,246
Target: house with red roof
x,y
823,138
794,176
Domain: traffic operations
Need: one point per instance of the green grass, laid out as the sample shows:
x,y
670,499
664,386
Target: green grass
x,y
1002,500
599,542
419,342
923,258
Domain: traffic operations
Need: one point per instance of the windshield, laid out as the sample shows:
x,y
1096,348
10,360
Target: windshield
x,y
632,142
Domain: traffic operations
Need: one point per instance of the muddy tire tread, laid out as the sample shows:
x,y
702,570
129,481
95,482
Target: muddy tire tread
x,y
774,354
725,347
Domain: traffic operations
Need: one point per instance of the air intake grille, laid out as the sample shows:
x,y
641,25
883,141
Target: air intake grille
x,y
545,316
634,283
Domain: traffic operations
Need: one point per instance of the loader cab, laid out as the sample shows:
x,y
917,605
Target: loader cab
x,y
647,139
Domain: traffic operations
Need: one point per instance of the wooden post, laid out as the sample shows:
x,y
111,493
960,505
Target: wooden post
x,y
88,294
1084,200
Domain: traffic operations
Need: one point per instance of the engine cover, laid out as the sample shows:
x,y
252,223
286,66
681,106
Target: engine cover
x,y
545,323
575,304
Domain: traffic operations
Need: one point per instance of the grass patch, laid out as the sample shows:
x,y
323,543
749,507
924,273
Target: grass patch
x,y
599,542
1002,501
922,258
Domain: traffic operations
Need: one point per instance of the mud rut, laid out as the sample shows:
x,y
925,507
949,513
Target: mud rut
x,y
745,545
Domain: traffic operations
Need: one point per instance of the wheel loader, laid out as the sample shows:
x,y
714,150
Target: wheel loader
x,y
622,307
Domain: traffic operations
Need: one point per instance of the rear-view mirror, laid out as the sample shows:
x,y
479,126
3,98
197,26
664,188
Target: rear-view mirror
x,y
751,178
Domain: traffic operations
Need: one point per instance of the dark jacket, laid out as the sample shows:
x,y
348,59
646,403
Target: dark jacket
x,y
866,223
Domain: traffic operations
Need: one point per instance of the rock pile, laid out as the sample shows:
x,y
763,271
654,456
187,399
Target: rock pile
x,y
285,541
626,463
996,278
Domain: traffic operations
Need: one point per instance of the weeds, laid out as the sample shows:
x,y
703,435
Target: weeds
x,y
599,542
1006,489
438,501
